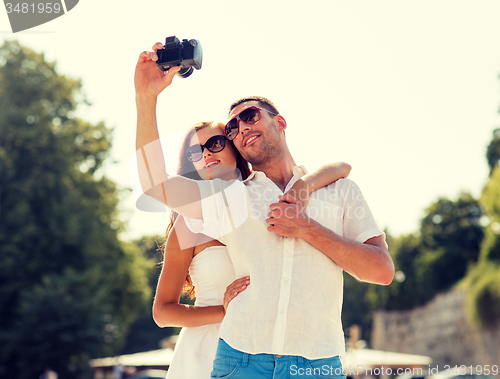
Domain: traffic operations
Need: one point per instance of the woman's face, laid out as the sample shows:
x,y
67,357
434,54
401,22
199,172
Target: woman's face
x,y
214,165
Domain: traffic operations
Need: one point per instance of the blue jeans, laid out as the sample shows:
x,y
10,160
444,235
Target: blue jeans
x,y
234,364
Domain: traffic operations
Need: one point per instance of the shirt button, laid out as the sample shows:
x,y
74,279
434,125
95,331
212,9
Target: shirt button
x,y
285,281
281,312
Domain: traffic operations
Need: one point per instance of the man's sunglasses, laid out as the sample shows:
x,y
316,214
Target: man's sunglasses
x,y
214,144
249,116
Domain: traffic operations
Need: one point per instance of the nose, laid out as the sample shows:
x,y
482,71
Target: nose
x,y
206,152
243,127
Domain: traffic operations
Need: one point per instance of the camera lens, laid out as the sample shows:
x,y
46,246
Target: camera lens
x,y
185,72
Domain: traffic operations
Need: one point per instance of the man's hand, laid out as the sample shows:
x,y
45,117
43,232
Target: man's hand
x,y
149,79
287,218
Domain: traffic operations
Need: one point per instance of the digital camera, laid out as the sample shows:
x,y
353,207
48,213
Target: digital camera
x,y
186,54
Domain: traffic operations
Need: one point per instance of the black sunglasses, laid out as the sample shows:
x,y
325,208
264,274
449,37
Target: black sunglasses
x,y
214,144
249,116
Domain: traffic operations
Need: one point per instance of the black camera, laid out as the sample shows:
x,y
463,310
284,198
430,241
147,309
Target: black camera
x,y
186,54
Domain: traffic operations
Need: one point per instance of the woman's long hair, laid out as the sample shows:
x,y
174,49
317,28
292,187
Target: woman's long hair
x,y
186,168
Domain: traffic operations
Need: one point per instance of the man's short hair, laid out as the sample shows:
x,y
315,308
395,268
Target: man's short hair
x,y
263,102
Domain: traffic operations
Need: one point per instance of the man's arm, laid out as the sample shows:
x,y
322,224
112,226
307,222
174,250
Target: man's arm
x,y
369,261
177,192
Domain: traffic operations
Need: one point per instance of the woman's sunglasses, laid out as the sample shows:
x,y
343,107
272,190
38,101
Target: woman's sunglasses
x,y
214,144
249,116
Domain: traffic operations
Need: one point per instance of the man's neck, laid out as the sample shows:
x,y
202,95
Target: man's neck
x,y
279,172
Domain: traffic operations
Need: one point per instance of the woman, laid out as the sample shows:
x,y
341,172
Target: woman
x,y
207,154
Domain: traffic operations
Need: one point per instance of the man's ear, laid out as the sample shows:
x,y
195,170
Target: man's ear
x,y
281,123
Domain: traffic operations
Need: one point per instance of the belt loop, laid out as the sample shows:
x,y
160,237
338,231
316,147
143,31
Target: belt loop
x,y
244,360
300,361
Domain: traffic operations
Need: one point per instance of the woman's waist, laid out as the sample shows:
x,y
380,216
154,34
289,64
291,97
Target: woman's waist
x,y
207,301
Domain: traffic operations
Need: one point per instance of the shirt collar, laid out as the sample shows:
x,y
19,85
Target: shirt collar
x,y
257,176
300,171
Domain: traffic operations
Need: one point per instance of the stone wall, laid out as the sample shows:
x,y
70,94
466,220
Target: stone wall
x,y
440,329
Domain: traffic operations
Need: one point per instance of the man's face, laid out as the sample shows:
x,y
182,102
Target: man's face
x,y
260,142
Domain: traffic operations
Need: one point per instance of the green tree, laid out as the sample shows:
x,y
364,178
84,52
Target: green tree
x,y
143,333
484,280
493,151
361,299
451,236
437,256
356,310
483,283
407,292
69,287
491,200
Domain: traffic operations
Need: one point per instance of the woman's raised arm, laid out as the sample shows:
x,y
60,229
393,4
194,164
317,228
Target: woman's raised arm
x,y
177,192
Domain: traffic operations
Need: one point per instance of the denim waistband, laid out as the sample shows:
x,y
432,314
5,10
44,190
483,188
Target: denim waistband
x,y
228,351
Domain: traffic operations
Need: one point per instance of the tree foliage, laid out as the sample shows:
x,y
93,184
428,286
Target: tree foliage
x,y
451,237
452,246
493,151
356,309
491,202
144,334
407,293
484,294
69,287
437,257
484,280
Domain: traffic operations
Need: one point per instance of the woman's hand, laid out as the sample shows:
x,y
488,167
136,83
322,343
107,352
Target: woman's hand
x,y
149,79
234,289
325,175
300,192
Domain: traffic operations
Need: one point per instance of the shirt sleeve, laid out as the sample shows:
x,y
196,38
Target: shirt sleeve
x,y
224,208
359,223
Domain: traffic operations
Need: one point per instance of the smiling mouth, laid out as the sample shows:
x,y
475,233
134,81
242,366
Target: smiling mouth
x,y
251,139
212,163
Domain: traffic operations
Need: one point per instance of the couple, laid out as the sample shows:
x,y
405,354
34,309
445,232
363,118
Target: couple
x,y
272,329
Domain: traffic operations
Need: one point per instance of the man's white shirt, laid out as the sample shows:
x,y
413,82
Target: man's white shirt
x,y
294,301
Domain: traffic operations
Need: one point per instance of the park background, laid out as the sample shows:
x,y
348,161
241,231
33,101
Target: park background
x,y
406,92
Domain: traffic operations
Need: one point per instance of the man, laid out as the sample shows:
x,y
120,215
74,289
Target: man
x,y
272,329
